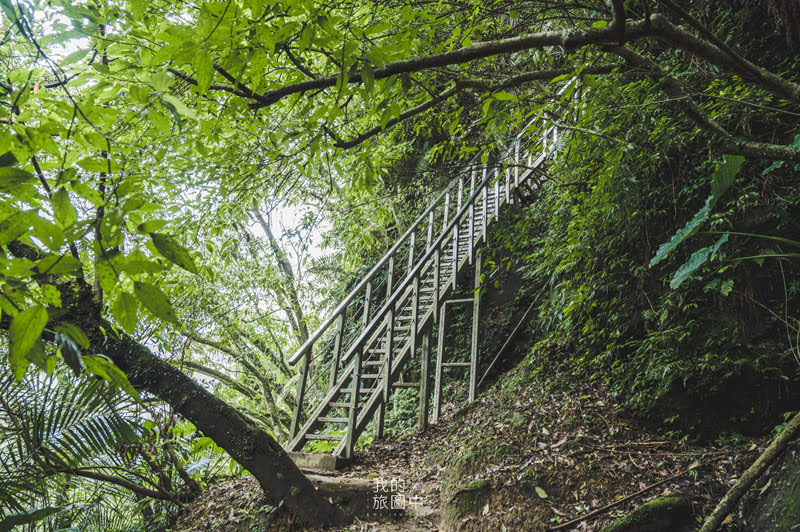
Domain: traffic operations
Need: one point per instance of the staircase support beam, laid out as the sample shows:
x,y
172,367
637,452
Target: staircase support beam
x,y
425,379
476,325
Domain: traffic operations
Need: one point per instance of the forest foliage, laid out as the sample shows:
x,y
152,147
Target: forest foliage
x,y
150,149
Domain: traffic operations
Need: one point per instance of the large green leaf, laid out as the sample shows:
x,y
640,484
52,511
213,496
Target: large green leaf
x,y
173,251
25,329
63,211
698,258
124,311
11,176
691,227
27,517
725,174
155,301
103,367
71,352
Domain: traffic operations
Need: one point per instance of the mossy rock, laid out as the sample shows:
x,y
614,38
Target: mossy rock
x,y
665,514
470,499
778,508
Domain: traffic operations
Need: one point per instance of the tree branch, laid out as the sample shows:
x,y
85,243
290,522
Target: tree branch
x,y
726,142
225,379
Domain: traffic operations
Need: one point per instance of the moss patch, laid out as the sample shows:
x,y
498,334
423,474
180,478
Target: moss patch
x,y
665,514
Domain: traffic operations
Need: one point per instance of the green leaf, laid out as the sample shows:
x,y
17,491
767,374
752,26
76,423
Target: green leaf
x,y
37,356
155,301
74,332
204,67
368,75
600,24
504,96
71,352
124,311
683,233
25,329
179,106
173,252
26,517
52,295
541,493
161,81
697,259
9,159
63,211
725,174
11,176
103,367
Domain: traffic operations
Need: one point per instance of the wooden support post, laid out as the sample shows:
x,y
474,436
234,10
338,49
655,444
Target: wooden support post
x,y
414,316
425,379
476,317
508,187
412,242
367,303
430,230
337,350
352,416
516,160
497,199
471,241
437,271
460,192
437,380
485,220
456,230
472,181
446,210
390,278
301,391
387,368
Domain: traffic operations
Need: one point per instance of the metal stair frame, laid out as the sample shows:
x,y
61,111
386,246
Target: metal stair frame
x,y
458,241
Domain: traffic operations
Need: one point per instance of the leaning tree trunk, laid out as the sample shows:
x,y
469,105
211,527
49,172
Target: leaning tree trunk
x,y
249,445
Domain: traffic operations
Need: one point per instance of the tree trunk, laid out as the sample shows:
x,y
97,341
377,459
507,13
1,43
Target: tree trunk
x,y
250,446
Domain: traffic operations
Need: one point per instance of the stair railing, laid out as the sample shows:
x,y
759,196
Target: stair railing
x,y
360,314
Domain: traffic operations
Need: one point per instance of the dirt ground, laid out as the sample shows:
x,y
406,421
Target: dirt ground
x,y
525,456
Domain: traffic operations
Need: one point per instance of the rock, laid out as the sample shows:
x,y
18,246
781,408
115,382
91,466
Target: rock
x,y
665,514
465,501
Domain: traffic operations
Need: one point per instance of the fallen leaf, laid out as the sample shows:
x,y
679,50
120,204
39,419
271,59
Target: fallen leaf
x,y
541,493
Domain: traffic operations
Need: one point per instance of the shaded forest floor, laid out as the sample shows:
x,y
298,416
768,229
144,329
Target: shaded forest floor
x,y
533,452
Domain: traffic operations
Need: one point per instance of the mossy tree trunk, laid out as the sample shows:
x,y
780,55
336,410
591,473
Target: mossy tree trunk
x,y
248,444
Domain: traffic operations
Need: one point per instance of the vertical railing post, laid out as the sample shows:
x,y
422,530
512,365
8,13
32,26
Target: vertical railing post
x,y
337,350
476,316
430,230
472,180
460,192
412,242
386,382
390,278
446,209
496,199
471,241
517,142
437,271
352,416
508,185
367,304
440,352
485,220
456,230
424,380
300,395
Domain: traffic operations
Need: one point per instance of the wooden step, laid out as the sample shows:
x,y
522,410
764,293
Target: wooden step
x,y
370,375
455,364
339,405
405,385
328,437
333,419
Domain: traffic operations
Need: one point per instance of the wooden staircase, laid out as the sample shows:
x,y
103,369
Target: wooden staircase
x,y
350,365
